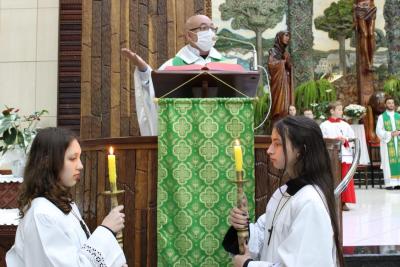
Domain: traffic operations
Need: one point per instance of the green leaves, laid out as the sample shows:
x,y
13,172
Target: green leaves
x,y
16,131
312,94
254,15
337,20
9,136
392,88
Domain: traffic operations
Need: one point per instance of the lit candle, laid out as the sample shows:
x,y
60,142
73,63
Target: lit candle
x,y
112,171
238,156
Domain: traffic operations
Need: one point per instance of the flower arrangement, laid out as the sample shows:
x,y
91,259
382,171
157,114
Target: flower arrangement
x,y
320,110
17,131
354,111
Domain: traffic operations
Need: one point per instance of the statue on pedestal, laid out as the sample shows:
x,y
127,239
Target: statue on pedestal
x,y
280,70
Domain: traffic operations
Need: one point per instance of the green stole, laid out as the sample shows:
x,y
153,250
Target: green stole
x,y
394,156
177,61
196,168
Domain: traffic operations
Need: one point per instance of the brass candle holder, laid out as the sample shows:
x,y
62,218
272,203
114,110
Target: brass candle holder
x,y
113,194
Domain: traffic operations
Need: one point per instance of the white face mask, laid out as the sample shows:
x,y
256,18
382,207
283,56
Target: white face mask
x,y
205,40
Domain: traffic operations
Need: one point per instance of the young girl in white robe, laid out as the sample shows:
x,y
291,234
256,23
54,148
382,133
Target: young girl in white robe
x,y
51,231
300,225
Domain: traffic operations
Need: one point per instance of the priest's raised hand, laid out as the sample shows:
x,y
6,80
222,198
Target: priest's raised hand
x,y
135,59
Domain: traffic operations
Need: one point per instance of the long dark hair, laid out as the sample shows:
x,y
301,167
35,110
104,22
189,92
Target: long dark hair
x,y
44,164
313,164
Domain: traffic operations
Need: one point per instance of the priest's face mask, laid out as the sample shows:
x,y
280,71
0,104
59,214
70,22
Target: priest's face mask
x,y
201,33
70,173
276,153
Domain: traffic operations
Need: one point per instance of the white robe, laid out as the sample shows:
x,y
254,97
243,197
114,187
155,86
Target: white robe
x,y
48,237
339,129
144,90
302,233
385,137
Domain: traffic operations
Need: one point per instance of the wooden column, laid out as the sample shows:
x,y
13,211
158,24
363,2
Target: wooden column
x,y
69,65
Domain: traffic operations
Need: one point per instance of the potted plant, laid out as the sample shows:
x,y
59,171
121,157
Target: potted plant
x,y
354,112
312,93
16,135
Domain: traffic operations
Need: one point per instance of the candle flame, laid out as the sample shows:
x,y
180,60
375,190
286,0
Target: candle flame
x,y
111,150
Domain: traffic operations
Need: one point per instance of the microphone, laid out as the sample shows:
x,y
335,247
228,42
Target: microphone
x,y
255,64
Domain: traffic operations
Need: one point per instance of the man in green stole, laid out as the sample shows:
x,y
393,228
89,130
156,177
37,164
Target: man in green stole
x,y
388,130
200,37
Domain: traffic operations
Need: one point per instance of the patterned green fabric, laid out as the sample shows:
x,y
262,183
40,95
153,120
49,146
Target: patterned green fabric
x,y
195,170
394,156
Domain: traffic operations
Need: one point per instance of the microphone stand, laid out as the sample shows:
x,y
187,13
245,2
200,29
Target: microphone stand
x,y
255,67
255,64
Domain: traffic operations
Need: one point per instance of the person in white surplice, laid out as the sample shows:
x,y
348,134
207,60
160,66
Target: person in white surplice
x,y
388,131
200,37
51,231
300,225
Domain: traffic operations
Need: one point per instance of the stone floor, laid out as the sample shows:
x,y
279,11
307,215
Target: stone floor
x,y
374,220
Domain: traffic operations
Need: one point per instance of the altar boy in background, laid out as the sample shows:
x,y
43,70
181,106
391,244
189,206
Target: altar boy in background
x,y
336,128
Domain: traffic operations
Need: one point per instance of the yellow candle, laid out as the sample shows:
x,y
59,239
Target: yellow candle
x,y
112,171
238,156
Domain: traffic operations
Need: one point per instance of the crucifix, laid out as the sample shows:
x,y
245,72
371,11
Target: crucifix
x,y
364,21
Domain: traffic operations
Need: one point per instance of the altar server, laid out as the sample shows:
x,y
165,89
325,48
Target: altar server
x,y
336,128
51,231
300,225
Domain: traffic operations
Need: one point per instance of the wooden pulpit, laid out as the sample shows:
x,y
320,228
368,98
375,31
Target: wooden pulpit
x,y
200,84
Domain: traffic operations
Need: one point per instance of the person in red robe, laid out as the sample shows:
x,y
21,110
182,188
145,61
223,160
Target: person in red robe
x,y
336,128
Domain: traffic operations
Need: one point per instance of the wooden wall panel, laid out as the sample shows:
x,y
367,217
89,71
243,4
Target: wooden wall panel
x,y
152,28
69,65
95,85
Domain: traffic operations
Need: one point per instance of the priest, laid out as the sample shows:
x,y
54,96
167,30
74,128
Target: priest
x,y
388,131
200,35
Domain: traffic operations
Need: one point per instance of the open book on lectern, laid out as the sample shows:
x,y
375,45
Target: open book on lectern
x,y
205,81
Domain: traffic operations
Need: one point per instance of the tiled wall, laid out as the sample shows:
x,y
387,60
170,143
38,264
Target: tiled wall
x,y
28,56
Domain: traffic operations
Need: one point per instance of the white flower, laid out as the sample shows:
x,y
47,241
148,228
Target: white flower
x,y
354,111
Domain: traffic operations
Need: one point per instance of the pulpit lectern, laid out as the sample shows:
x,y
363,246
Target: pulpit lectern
x,y
185,84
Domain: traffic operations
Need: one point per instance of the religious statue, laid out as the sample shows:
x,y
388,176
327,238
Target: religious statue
x,y
280,70
364,21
